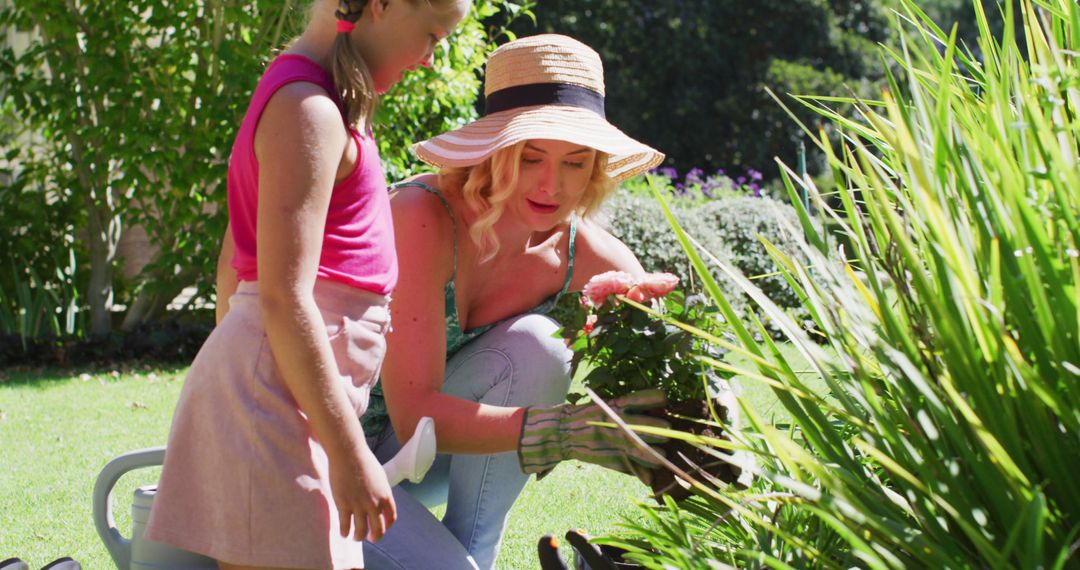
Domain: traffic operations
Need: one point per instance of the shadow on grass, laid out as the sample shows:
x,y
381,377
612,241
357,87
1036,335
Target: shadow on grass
x,y
45,375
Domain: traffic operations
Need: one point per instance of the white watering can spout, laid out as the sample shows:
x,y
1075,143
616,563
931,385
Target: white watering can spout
x,y
415,457
137,553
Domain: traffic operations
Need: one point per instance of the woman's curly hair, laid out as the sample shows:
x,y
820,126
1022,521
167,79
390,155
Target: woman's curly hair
x,y
486,188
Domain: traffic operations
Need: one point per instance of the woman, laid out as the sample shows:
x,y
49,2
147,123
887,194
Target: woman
x,y
485,249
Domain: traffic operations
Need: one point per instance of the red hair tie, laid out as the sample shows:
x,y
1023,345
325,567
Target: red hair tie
x,y
345,26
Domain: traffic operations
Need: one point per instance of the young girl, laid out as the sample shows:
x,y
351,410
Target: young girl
x,y
266,464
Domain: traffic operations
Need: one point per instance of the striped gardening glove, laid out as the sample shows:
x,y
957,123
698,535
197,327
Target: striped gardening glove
x,y
567,431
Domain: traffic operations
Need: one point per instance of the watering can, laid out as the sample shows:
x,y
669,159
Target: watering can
x,y
137,553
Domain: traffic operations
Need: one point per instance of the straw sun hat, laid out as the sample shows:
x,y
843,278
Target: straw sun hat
x,y
541,87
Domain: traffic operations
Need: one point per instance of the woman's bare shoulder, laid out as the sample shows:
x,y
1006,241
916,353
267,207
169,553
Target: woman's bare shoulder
x,y
418,204
423,227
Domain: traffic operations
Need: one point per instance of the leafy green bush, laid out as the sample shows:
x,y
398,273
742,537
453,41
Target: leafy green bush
x,y
639,222
729,227
688,76
125,111
121,113
740,223
628,350
951,436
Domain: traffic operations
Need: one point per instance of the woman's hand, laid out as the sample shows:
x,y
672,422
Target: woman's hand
x,y
362,494
568,431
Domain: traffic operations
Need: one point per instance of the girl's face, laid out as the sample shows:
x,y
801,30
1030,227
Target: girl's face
x,y
552,178
403,35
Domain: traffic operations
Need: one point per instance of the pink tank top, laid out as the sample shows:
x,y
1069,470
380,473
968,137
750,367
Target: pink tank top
x,y
358,242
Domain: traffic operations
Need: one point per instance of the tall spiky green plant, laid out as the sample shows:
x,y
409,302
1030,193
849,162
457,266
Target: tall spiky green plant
x,y
951,435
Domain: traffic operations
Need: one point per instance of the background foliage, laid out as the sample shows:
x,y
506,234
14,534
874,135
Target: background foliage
x,y
122,113
687,76
118,118
948,434
730,223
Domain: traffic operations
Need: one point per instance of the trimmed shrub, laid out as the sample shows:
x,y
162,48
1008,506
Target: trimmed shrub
x,y
739,223
639,222
729,228
174,340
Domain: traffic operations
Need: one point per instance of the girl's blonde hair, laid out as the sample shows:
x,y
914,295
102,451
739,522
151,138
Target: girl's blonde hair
x,y
352,78
351,75
486,187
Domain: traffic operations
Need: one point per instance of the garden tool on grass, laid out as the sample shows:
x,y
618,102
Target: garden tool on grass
x,y
548,551
587,556
65,563
13,564
137,553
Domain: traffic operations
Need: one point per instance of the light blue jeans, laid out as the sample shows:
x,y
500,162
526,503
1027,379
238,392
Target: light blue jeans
x,y
519,362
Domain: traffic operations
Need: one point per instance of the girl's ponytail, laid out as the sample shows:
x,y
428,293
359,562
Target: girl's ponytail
x,y
351,75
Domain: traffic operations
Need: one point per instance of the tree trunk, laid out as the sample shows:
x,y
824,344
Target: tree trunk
x,y
103,225
102,237
150,303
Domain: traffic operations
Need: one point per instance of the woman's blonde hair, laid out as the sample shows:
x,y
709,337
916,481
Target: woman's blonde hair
x,y
487,186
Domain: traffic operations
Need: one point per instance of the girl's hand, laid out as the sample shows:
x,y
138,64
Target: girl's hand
x,y
362,495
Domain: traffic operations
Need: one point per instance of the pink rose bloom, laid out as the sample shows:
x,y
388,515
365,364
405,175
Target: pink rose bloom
x,y
601,286
657,284
637,294
590,324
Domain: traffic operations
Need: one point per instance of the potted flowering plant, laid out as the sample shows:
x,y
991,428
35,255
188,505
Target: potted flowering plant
x,y
629,349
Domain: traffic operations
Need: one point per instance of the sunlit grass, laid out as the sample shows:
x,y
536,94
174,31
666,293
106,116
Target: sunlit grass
x,y
59,428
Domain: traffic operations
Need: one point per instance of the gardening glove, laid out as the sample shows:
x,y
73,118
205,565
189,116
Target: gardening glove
x,y
567,431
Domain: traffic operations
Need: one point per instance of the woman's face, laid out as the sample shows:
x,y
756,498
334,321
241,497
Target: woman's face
x,y
552,178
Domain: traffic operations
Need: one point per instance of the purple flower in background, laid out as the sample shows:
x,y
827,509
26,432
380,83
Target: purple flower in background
x,y
668,172
713,185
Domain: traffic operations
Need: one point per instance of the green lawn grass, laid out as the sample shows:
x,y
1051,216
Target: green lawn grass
x,y
59,428
57,431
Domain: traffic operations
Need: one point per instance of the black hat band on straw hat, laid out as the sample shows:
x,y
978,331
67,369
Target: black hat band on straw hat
x,y
544,94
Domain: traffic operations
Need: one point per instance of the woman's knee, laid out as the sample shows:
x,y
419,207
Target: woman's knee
x,y
519,362
537,334
540,357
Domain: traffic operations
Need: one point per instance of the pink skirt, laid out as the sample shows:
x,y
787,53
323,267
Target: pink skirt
x,y
244,480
